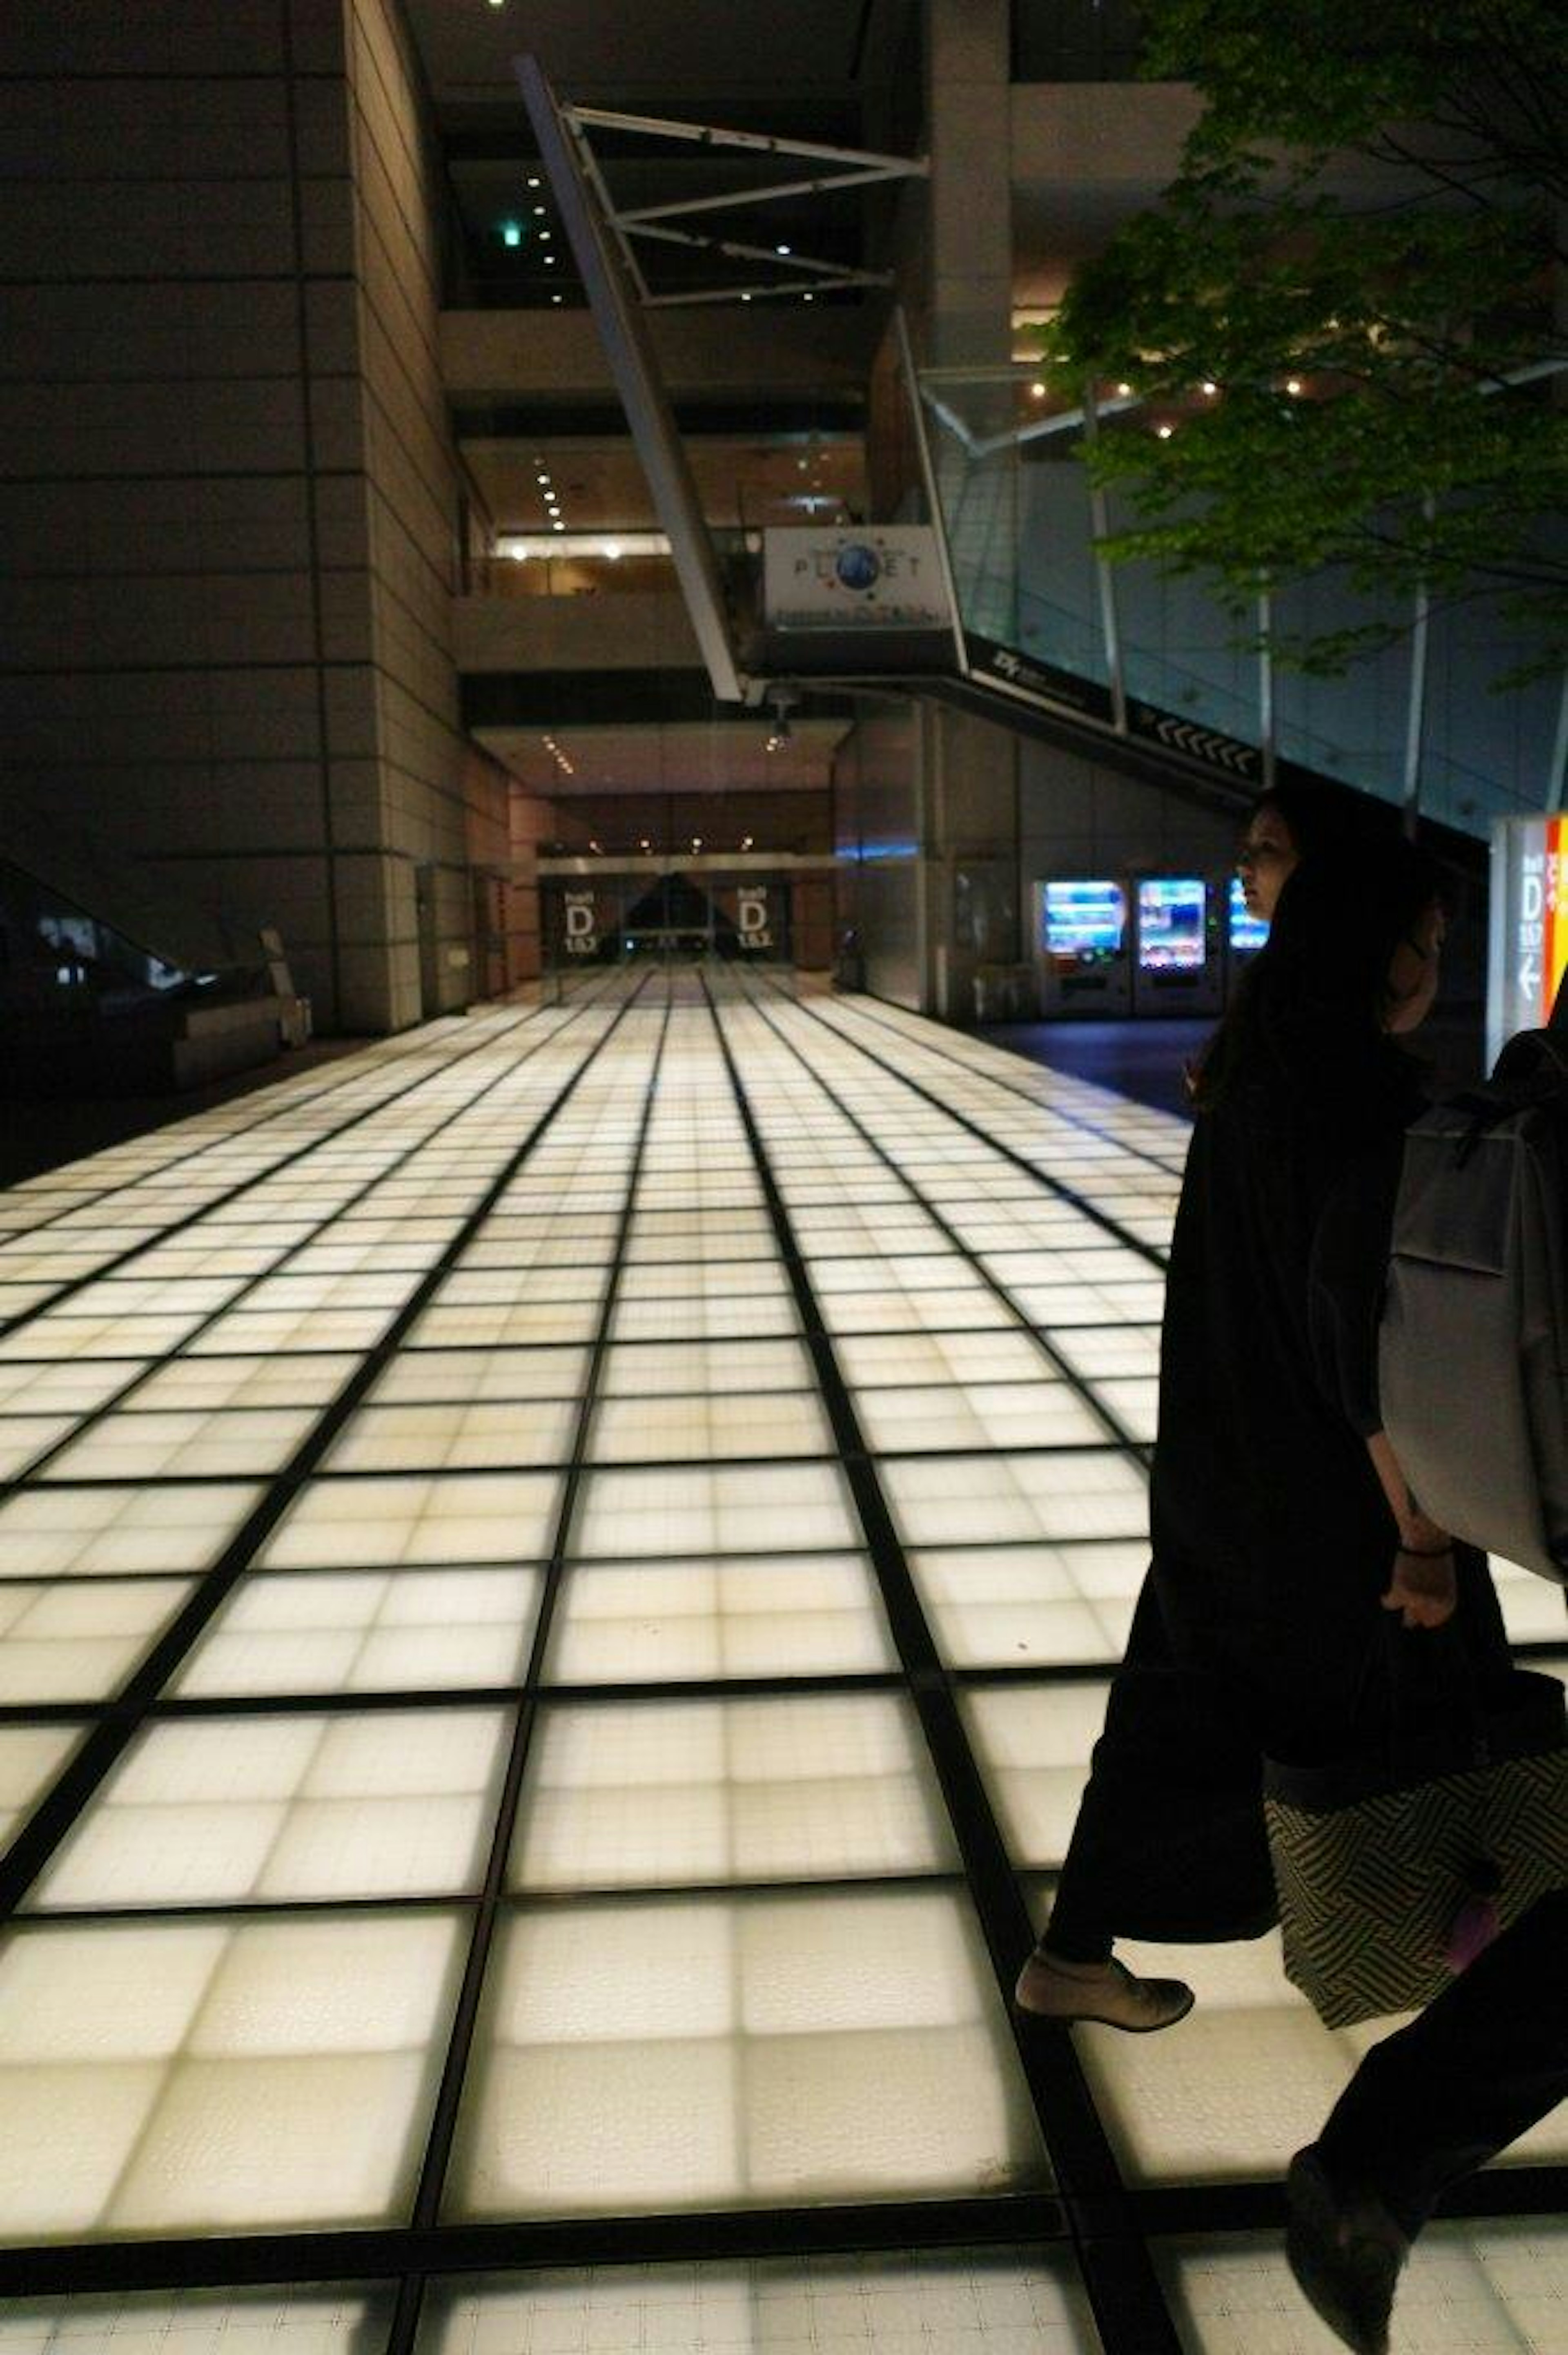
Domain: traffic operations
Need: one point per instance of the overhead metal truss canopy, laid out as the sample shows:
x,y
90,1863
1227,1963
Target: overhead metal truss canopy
x,y
842,167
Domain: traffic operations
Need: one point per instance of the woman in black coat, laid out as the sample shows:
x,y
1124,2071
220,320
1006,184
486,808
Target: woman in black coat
x,y
1280,1526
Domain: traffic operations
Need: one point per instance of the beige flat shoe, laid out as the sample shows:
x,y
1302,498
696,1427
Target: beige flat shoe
x,y
1107,1991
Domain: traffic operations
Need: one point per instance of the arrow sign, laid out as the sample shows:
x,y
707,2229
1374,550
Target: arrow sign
x,y
1203,745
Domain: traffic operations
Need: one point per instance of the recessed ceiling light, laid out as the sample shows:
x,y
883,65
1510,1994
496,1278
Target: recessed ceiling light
x,y
558,525
544,236
1038,390
557,298
549,261
783,249
535,181
1165,432
538,209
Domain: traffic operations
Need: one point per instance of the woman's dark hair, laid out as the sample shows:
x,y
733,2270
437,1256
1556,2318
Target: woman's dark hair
x,y
1310,1010
1327,817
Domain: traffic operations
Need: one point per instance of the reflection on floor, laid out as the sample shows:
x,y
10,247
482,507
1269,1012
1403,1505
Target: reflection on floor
x,y
515,1550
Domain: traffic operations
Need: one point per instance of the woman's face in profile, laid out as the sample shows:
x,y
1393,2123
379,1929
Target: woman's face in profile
x,y
1265,858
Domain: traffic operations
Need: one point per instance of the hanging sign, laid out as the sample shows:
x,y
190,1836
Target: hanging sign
x,y
752,927
861,577
1529,924
580,924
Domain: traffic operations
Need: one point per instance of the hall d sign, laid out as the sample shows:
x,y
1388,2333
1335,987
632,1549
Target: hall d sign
x,y
862,577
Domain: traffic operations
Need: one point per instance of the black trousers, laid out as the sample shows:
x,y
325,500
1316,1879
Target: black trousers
x,y
1484,2061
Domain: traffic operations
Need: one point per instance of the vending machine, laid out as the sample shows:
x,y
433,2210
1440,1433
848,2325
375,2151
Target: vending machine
x,y
1081,940
1245,934
1178,962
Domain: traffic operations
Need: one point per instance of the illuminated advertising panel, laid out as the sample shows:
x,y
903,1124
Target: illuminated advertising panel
x,y
1529,924
1170,911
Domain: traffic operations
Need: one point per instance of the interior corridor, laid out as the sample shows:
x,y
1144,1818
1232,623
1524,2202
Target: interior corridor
x,y
557,1580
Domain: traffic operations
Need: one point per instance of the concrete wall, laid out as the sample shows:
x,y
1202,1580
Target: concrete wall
x,y
227,495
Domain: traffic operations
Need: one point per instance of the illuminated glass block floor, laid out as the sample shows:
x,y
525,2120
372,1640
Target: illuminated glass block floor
x,y
557,1580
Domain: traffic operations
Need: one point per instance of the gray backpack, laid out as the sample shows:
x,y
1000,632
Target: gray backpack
x,y
1473,1351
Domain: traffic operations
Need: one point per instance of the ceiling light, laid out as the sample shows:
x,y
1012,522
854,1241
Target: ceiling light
x,y
643,844
781,249
1209,387
544,234
557,298
558,525
535,181
746,842
1038,390
538,209
1293,384
1124,390
808,298
696,842
612,550
542,478
746,298
549,261
1165,432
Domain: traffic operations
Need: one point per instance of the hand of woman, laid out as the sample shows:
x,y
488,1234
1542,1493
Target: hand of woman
x,y
1424,1589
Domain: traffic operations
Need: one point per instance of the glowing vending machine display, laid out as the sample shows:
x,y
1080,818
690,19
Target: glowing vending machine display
x,y
1178,965
1081,935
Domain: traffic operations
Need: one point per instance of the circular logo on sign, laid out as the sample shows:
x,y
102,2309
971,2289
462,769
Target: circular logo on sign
x,y
857,566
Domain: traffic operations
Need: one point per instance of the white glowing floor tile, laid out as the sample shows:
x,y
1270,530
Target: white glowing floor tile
x,y
696,1315
458,1517
1531,1606
364,1632
1000,1607
874,1360
655,1368
498,1328
945,2302
214,1811
63,1390
1494,2288
56,1339
677,1427
455,1438
622,1515
298,2321
245,1330
826,1786
1032,1743
76,1640
634,1623
187,1384
98,1532
1012,1498
485,1376
725,2053
30,1758
972,1308
25,1437
270,2075
1043,1413
1237,2087
151,1445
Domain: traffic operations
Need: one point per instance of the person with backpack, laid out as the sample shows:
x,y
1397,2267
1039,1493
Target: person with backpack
x,y
1280,1522
1474,1368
